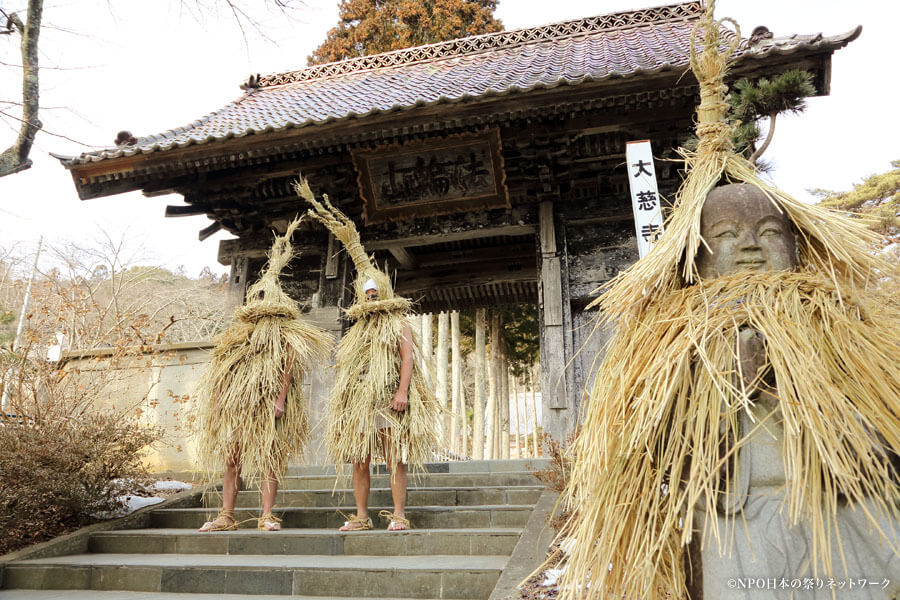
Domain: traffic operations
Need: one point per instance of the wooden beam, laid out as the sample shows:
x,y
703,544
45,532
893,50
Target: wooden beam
x,y
237,283
331,259
443,237
256,246
547,231
612,218
186,210
161,192
470,255
553,356
404,257
208,231
488,272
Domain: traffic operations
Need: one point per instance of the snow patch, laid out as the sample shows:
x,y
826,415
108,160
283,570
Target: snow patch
x,y
171,485
551,576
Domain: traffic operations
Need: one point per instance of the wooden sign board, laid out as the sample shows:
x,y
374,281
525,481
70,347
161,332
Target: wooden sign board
x,y
648,218
458,173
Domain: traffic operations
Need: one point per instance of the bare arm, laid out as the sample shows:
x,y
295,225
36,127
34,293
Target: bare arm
x,y
401,399
285,386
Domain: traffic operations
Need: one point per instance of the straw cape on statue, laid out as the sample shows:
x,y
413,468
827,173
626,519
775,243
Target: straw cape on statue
x,y
369,364
747,405
253,417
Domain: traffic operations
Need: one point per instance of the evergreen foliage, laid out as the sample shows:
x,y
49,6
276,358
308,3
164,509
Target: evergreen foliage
x,y
750,101
877,197
521,329
373,26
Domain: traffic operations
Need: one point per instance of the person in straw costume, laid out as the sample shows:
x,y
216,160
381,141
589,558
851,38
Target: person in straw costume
x,y
380,403
717,350
252,412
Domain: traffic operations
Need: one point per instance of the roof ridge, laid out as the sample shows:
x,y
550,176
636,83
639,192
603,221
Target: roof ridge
x,y
484,42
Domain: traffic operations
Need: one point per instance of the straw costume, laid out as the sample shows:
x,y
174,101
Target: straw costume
x,y
237,394
369,365
662,429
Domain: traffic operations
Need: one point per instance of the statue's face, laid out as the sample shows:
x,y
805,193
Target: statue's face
x,y
745,231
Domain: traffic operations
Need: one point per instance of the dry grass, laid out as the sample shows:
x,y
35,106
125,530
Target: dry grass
x,y
663,416
645,462
236,398
368,359
557,474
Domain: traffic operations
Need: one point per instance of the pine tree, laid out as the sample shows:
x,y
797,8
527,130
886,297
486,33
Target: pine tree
x,y
877,197
751,101
373,26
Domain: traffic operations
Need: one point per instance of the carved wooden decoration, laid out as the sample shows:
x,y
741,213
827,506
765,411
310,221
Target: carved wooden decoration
x,y
433,177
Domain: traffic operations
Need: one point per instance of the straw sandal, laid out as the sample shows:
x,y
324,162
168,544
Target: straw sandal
x,y
354,523
397,522
268,522
224,521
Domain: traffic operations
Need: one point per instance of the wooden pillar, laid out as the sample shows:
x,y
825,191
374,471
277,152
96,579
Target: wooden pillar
x,y
427,348
326,313
534,421
463,421
558,404
455,383
478,402
493,392
320,381
504,406
443,345
237,282
515,421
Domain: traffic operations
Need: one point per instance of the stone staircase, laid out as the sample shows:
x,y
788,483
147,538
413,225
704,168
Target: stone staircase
x,y
467,518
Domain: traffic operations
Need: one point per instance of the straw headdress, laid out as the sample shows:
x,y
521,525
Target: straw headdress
x,y
662,424
246,373
368,358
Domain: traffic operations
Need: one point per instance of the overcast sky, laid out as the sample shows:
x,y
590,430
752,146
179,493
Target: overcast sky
x,y
151,66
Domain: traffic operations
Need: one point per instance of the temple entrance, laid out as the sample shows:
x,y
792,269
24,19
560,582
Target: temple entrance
x,y
479,329
475,272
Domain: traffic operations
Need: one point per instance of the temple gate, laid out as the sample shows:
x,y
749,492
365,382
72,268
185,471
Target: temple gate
x,y
484,171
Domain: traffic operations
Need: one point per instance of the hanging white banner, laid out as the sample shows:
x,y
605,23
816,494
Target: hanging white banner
x,y
648,219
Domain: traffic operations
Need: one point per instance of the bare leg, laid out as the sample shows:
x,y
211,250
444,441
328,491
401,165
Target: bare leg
x,y
267,521
269,490
398,489
230,484
362,481
398,478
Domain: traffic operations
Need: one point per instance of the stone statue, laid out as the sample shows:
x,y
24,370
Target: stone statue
x,y
764,557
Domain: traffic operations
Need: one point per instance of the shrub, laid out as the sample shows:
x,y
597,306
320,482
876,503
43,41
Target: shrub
x,y
61,468
63,460
556,475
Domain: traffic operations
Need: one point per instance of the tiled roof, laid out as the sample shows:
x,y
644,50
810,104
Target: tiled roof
x,y
571,52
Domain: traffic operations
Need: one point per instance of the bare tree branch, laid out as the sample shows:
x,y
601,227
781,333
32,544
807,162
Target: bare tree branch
x,y
15,158
48,132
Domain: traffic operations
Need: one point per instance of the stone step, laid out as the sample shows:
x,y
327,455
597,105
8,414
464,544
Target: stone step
x,y
434,496
422,517
347,576
430,480
124,595
496,541
461,466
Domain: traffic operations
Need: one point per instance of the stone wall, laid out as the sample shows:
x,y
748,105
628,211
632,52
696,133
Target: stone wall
x,y
158,387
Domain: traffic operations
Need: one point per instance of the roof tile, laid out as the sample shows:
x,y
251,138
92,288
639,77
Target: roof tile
x,y
594,48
